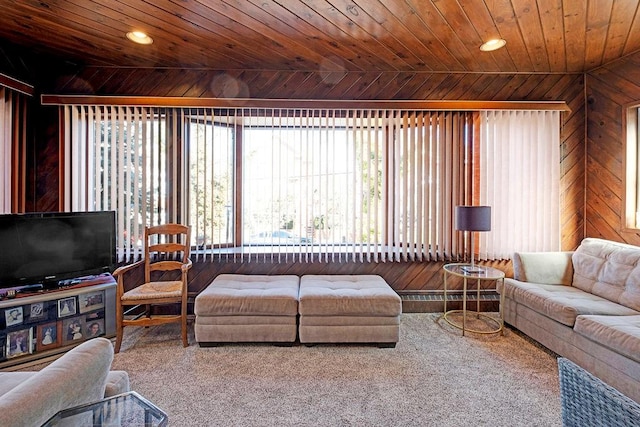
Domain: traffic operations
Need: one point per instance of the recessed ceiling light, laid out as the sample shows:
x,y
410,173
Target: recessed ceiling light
x,y
139,37
493,45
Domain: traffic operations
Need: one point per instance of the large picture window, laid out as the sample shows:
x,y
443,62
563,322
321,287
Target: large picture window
x,y
283,184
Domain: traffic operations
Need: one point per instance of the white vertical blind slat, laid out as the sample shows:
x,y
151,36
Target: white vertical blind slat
x,y
6,114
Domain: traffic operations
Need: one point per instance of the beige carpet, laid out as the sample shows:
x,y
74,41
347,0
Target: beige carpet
x,y
434,377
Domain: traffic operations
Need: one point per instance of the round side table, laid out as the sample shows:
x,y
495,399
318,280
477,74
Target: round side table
x,y
477,273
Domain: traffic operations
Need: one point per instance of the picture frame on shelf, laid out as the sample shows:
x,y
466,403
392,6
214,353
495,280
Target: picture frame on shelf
x,y
67,307
91,301
48,336
37,312
95,328
19,343
14,316
73,330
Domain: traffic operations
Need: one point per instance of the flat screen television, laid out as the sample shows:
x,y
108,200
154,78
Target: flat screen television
x,y
47,248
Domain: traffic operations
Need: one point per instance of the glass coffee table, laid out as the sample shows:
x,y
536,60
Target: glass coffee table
x,y
125,410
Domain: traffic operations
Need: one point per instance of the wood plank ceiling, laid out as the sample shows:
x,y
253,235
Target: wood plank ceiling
x,y
543,36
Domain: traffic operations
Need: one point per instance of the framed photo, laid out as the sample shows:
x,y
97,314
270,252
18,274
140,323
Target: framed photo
x,y
95,328
73,330
37,312
14,316
48,336
20,342
67,307
91,301
94,315
3,340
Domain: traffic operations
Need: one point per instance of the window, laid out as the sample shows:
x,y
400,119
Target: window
x,y
288,184
211,174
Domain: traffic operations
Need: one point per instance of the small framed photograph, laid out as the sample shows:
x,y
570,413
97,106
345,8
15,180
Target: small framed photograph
x,y
20,342
95,315
67,307
91,301
95,328
48,336
14,316
73,330
37,312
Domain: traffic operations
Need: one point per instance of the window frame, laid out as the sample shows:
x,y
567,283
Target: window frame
x,y
413,105
631,166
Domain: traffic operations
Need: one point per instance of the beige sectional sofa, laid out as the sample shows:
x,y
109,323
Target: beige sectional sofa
x,y
583,305
82,375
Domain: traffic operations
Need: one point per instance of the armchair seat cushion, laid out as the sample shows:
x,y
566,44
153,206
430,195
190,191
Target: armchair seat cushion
x,y
169,289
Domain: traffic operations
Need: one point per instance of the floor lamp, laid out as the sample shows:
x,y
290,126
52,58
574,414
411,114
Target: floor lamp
x,y
473,218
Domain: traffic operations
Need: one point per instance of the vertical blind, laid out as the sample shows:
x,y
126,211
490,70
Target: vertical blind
x,y
353,184
13,150
300,185
6,118
520,179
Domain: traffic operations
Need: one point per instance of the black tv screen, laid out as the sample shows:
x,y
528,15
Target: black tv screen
x,y
45,248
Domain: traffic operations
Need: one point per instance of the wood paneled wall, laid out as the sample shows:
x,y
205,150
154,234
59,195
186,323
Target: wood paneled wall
x,y
609,90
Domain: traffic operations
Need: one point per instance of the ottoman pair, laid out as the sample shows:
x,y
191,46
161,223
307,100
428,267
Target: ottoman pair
x,y
318,309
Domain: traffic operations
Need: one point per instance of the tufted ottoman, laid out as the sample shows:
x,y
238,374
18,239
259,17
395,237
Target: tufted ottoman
x,y
348,308
247,308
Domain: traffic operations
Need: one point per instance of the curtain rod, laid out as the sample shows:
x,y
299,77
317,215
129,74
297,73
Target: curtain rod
x,y
16,85
186,102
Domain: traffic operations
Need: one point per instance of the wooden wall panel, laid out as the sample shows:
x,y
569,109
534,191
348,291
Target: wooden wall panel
x,y
609,89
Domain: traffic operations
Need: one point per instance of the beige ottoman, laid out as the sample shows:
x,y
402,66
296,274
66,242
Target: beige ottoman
x,y
247,308
348,309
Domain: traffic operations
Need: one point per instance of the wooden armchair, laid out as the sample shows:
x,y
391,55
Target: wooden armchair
x,y
166,248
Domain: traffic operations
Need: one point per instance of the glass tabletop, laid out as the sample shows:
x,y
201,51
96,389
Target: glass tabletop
x,y
125,410
475,272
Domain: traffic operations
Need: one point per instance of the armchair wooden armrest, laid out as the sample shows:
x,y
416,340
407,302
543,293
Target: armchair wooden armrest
x,y
123,269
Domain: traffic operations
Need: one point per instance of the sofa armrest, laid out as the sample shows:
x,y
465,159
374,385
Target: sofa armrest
x,y
548,268
78,377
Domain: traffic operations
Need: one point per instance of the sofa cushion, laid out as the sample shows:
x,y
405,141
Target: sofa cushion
x,y
608,269
619,333
249,295
561,303
549,268
348,295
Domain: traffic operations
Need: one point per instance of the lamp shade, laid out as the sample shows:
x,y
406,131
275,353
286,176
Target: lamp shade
x,y
473,218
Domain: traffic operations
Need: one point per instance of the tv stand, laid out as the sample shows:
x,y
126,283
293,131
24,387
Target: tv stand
x,y
41,320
